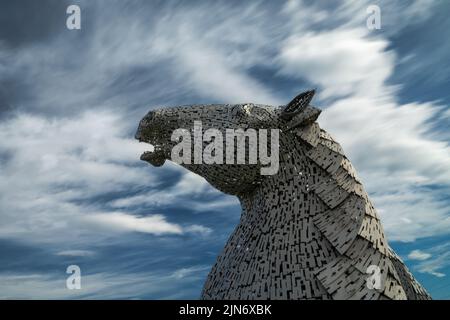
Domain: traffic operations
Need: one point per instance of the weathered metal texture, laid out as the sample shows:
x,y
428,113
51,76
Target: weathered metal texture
x,y
308,232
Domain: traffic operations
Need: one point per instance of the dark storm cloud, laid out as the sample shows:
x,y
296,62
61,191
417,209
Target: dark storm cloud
x,y
424,71
117,59
27,21
10,93
22,257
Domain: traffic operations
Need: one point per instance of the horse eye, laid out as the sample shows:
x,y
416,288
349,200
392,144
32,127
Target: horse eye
x,y
247,108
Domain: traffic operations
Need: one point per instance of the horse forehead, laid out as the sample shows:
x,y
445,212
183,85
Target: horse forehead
x,y
217,108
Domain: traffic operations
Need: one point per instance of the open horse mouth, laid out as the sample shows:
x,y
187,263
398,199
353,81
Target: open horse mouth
x,y
156,157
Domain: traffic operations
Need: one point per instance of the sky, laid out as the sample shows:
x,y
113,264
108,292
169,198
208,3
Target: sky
x,y
72,188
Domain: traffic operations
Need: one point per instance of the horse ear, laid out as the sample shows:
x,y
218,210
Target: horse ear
x,y
297,105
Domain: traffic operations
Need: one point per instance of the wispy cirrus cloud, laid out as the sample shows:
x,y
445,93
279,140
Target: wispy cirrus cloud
x,y
418,255
76,253
122,222
54,168
191,191
104,285
432,261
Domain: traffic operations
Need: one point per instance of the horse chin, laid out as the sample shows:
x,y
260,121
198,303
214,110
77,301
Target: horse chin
x,y
155,158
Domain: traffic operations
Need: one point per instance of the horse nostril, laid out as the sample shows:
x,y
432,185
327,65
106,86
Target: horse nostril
x,y
145,123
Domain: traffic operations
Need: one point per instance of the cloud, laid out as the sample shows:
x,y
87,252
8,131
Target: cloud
x,y
154,224
389,143
350,62
55,167
186,272
432,272
418,255
91,149
195,228
216,204
83,154
191,191
397,158
157,55
179,284
409,212
434,265
434,260
76,253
